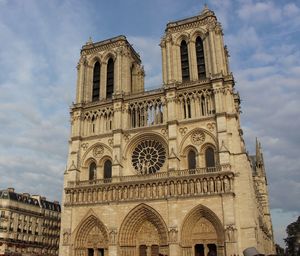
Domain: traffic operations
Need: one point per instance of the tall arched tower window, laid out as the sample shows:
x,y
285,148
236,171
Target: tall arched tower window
x,y
96,82
210,157
184,61
192,159
110,78
92,171
107,169
200,58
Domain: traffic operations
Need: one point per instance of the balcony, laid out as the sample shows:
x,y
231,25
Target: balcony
x,y
161,185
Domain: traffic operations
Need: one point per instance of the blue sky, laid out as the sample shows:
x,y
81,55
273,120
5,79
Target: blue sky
x,y
40,46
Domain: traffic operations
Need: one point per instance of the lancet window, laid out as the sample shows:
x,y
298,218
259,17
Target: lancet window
x,y
200,58
96,82
110,78
107,169
210,157
92,171
146,113
196,104
98,121
192,159
185,70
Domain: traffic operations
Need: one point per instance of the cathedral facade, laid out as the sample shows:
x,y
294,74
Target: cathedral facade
x,y
162,172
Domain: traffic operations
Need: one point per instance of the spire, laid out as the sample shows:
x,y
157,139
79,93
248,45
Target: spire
x,y
205,9
90,41
259,154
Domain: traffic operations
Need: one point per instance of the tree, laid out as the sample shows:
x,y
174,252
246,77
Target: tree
x,y
293,239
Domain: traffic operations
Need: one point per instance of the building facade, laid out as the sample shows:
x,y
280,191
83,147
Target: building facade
x,y
162,172
29,225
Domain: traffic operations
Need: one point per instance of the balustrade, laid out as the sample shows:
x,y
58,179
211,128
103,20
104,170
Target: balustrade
x,y
194,182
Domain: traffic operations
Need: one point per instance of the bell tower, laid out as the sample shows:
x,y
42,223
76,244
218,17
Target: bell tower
x,y
193,49
107,68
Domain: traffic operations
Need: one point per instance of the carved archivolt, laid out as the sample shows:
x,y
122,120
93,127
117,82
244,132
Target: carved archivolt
x,y
198,137
91,233
201,224
95,151
143,218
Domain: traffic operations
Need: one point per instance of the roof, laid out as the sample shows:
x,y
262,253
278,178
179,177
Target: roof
x,y
27,199
6,194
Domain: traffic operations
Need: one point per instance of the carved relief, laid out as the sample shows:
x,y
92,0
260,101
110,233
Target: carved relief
x,y
111,142
198,137
164,132
66,237
165,188
211,126
113,237
183,130
84,146
230,233
173,234
126,136
98,151
148,234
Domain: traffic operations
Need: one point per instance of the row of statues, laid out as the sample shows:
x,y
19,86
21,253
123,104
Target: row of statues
x,y
155,190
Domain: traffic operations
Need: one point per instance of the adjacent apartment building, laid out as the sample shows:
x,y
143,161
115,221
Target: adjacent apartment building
x,y
29,225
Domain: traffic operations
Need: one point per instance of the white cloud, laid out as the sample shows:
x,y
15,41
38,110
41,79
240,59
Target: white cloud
x,y
265,11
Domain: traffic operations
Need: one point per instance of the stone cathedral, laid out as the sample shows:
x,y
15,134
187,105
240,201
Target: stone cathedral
x,y
162,172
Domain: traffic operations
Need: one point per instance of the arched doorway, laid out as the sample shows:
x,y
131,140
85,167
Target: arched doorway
x,y
202,233
143,233
91,238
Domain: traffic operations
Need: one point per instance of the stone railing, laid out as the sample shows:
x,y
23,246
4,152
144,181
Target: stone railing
x,y
184,183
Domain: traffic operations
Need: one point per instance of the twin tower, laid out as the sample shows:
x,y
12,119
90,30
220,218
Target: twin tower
x,y
162,172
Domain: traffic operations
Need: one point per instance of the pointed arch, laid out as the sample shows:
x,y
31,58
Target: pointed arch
x,y
110,78
198,213
192,162
200,58
133,223
91,228
184,57
96,81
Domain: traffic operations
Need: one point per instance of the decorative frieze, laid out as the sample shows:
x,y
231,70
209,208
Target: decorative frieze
x,y
190,184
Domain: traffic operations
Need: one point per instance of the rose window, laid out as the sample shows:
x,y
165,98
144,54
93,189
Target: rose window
x,y
148,157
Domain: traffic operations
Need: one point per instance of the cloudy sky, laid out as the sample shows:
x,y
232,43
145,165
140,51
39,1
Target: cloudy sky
x,y
40,45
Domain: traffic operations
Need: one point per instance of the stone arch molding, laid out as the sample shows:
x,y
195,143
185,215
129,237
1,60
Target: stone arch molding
x,y
211,225
90,233
136,219
91,151
186,140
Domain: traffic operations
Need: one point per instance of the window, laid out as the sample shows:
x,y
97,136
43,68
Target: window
x,y
184,61
210,157
200,58
92,171
96,82
192,159
110,78
107,169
